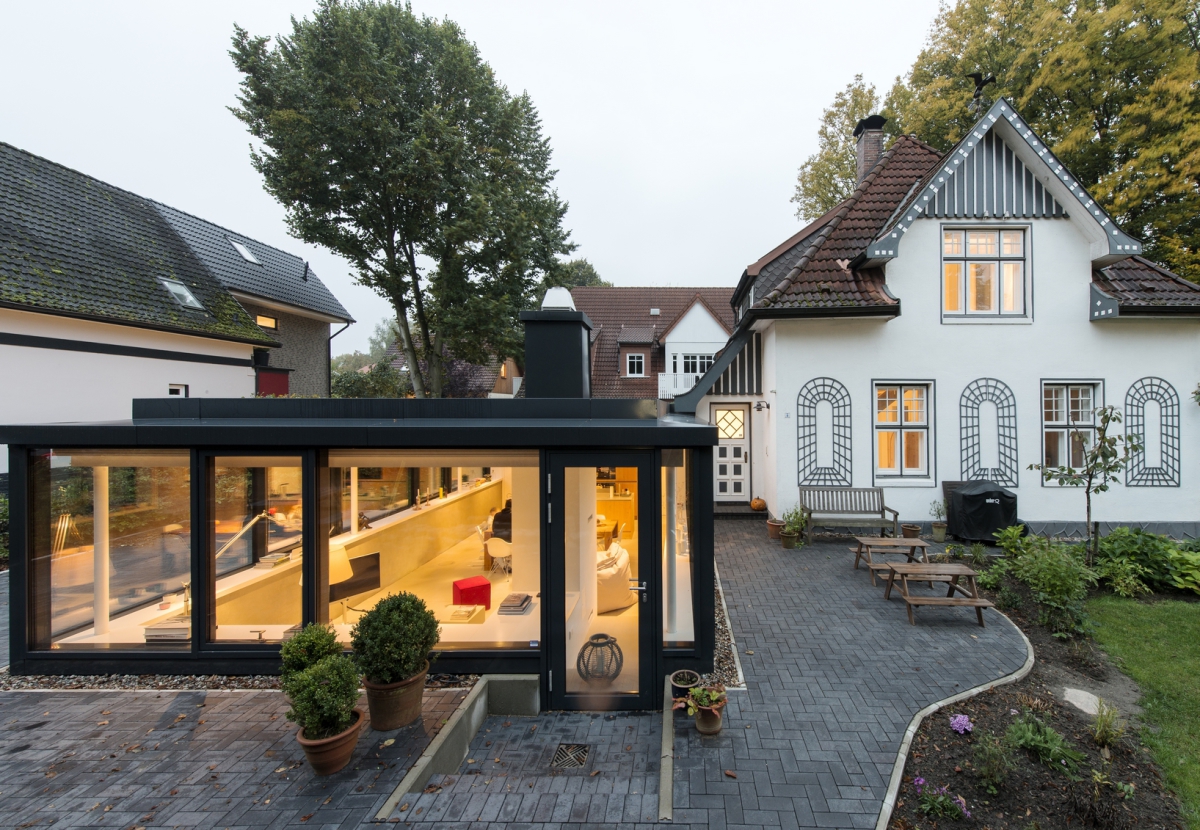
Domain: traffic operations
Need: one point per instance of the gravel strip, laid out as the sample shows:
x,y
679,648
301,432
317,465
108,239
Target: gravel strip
x,y
181,682
724,668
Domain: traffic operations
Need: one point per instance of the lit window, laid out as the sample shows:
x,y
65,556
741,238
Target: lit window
x,y
901,430
244,251
267,322
182,294
983,273
635,365
1068,423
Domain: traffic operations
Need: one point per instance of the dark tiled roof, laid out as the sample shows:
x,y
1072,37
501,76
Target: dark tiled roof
x,y
281,276
637,335
612,308
773,266
73,245
821,279
463,379
1138,284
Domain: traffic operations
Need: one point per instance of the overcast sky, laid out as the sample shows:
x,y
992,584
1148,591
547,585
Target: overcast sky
x,y
677,128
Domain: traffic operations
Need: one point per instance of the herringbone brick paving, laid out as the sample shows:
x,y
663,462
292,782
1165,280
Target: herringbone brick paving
x,y
835,675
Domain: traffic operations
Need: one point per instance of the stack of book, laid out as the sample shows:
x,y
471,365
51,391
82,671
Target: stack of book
x,y
270,560
173,629
514,604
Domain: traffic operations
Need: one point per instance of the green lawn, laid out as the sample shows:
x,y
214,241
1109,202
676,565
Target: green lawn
x,y
1158,645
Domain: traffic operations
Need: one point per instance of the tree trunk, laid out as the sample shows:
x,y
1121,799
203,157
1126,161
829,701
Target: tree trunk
x,y
410,354
1091,547
437,368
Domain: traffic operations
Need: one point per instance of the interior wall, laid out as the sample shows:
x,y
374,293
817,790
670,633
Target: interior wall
x,y
526,531
579,500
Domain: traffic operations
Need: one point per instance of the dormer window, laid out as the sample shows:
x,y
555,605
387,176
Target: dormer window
x,y
635,365
983,273
245,252
182,295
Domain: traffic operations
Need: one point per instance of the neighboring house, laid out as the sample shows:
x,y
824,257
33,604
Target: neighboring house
x,y
653,342
494,379
106,296
959,317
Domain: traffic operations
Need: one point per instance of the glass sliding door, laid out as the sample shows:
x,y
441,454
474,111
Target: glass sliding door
x,y
604,575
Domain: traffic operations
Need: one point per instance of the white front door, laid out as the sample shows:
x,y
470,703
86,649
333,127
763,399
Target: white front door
x,y
732,459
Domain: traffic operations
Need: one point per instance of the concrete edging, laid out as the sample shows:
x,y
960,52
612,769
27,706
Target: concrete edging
x,y
666,761
449,747
889,799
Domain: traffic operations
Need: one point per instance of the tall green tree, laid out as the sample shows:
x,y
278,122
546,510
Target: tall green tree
x,y
389,141
576,273
1113,86
829,176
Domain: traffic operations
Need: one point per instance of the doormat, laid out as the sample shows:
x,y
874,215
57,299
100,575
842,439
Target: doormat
x,y
568,756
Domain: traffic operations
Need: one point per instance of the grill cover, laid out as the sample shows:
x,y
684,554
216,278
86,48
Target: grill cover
x,y
977,510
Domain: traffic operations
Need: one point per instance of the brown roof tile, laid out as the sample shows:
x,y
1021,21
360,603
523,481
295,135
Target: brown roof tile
x,y
822,277
611,308
1138,284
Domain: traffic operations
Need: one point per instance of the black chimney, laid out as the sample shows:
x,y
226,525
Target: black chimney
x,y
869,148
557,360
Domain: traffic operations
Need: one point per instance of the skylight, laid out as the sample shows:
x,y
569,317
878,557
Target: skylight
x,y
182,294
244,251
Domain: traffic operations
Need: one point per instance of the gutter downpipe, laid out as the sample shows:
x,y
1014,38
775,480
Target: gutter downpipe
x,y
329,357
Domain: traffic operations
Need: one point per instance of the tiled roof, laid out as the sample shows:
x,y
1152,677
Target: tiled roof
x,y
636,335
612,308
75,246
281,276
821,279
1138,285
463,379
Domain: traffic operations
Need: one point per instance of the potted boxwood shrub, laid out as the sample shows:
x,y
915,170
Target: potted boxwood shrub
x,y
391,645
323,697
704,703
793,526
311,644
937,509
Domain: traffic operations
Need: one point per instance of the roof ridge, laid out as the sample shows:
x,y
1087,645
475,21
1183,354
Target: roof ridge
x,y
228,230
823,235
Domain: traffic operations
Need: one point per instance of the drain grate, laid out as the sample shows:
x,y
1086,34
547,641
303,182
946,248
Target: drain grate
x,y
568,756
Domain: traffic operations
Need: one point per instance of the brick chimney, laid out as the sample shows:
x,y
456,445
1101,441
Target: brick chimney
x,y
869,148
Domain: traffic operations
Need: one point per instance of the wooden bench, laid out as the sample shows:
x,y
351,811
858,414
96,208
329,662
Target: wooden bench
x,y
846,507
928,572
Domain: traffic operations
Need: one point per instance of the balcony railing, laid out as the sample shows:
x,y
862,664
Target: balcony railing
x,y
671,384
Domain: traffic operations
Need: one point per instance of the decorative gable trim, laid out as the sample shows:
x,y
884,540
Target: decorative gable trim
x,y
1016,133
991,182
696,301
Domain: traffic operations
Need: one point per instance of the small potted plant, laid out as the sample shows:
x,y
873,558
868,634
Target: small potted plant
x,y
704,703
683,680
311,644
774,527
937,509
910,531
323,697
793,526
391,645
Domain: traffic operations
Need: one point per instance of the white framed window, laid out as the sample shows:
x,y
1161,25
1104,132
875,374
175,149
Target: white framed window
x,y
984,272
177,390
267,322
903,429
182,294
1069,421
244,251
697,364
635,365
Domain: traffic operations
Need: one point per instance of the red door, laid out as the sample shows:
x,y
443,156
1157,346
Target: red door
x,y
271,382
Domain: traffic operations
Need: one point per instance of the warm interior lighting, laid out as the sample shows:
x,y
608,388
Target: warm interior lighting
x,y
339,565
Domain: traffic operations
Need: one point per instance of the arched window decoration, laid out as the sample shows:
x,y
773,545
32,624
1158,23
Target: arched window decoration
x,y
1164,433
995,392
837,472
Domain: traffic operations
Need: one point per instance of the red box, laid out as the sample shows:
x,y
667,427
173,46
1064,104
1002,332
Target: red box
x,y
474,590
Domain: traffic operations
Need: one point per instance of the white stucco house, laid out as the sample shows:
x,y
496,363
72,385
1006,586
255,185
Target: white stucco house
x,y
958,318
106,296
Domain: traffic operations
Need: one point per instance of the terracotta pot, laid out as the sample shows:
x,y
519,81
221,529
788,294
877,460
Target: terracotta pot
x,y
708,722
393,705
910,531
683,680
773,528
939,531
758,504
328,755
790,540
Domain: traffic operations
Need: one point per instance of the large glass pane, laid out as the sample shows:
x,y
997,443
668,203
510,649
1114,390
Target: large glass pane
x,y
601,569
678,628
914,451
1081,441
469,545
1054,448
886,459
1012,288
981,287
111,549
952,287
256,548
887,404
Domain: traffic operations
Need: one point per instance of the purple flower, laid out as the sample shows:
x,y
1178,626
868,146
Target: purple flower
x,y
961,724
918,783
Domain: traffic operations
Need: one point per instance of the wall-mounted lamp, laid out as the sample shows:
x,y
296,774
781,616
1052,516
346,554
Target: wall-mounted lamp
x,y
761,405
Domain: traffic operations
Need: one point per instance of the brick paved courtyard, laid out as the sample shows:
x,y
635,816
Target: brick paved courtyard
x,y
835,675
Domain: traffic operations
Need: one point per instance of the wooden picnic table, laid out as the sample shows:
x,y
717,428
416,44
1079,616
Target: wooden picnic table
x,y
878,544
936,572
